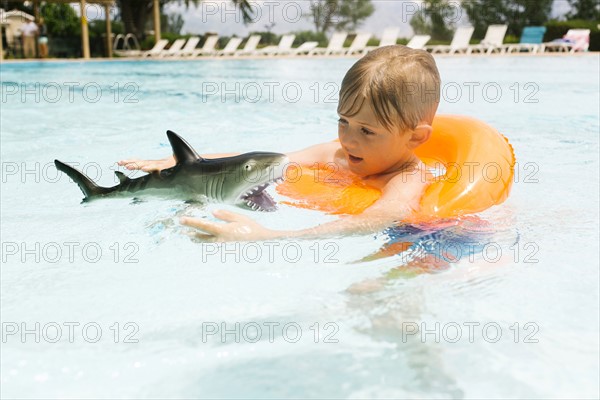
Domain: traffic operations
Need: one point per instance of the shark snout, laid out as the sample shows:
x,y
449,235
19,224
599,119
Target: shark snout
x,y
260,170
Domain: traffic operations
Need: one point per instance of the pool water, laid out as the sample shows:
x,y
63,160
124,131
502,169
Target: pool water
x,y
113,298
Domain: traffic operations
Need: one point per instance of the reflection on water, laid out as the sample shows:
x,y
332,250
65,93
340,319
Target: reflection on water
x,y
434,248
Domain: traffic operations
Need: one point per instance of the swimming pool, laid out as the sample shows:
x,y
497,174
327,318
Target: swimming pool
x,y
127,305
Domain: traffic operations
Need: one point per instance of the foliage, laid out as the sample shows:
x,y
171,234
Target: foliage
x,y
435,18
310,36
97,28
322,13
515,13
136,14
61,20
588,10
246,8
508,39
148,42
171,23
17,5
266,38
351,13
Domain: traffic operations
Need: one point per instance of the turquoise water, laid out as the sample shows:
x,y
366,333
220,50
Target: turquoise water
x,y
129,306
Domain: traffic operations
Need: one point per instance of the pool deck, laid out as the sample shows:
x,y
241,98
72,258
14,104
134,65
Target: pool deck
x,y
320,57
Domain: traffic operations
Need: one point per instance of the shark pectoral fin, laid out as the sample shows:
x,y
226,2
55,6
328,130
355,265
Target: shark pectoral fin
x,y
122,177
182,151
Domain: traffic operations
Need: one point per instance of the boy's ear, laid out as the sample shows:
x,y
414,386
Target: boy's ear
x,y
420,135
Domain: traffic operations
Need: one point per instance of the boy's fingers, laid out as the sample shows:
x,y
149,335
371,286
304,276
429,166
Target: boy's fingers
x,y
131,164
205,237
200,236
126,162
229,216
206,226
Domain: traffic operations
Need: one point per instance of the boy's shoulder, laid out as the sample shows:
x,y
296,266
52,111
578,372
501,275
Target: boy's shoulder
x,y
320,153
415,175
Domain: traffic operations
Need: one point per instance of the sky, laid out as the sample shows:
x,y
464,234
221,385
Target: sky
x,y
220,16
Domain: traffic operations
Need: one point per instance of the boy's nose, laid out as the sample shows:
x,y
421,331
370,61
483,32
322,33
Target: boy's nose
x,y
348,138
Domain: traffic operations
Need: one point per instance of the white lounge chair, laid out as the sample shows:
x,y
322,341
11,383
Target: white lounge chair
x,y
157,49
493,40
389,37
359,44
335,45
173,50
459,44
574,40
284,47
208,48
250,46
305,48
230,47
418,42
189,47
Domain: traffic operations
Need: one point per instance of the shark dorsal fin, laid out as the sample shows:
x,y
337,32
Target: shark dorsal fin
x,y
122,177
182,151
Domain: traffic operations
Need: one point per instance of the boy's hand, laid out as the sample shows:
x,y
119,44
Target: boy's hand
x,y
148,165
238,228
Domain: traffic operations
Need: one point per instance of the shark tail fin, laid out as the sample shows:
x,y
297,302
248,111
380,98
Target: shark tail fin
x,y
87,186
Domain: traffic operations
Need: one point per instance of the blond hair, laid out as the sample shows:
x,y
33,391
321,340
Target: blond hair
x,y
401,85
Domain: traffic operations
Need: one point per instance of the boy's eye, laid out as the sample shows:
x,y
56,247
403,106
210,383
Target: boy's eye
x,y
342,121
367,132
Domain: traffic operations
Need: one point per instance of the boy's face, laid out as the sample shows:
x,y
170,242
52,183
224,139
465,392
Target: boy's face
x,y
371,148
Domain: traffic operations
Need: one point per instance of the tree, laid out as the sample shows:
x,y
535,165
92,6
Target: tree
x,y
351,13
246,9
435,18
135,13
61,20
172,23
322,13
588,10
515,13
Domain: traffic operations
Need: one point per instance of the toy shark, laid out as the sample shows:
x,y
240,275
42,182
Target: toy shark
x,y
239,180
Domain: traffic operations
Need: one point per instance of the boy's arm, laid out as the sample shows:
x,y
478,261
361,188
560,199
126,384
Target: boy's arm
x,y
158,165
318,153
399,197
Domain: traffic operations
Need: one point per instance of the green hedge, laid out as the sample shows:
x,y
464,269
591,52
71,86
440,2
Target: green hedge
x,y
310,36
557,29
266,38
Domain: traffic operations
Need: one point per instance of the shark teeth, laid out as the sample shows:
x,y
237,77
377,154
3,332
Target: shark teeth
x,y
257,194
254,206
257,189
260,188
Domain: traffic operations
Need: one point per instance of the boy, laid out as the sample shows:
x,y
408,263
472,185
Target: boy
x,y
387,103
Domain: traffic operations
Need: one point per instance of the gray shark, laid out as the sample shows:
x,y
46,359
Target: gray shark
x,y
239,180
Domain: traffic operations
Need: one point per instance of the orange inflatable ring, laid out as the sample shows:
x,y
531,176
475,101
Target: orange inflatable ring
x,y
478,163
